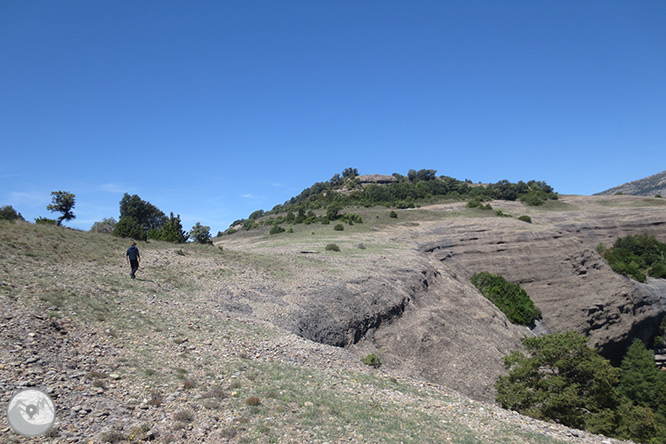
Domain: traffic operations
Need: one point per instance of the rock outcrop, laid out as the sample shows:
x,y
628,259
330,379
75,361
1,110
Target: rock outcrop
x,y
409,298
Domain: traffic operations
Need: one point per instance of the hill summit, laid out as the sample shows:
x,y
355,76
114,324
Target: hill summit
x,y
650,186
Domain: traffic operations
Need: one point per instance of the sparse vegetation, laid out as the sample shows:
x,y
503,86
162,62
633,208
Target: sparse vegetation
x,y
339,227
525,219
409,191
509,297
332,247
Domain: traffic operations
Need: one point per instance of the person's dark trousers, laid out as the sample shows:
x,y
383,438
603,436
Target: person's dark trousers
x,y
134,263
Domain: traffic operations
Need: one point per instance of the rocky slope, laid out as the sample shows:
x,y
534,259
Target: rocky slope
x,y
409,299
649,186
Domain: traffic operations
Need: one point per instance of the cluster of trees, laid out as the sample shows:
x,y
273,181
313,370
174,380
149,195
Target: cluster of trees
x,y
562,379
509,297
300,217
142,220
636,256
139,220
417,187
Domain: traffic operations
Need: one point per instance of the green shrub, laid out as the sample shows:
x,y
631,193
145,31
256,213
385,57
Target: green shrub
x,y
525,219
276,229
128,227
393,215
170,231
8,212
332,247
200,234
339,227
45,221
533,199
509,297
637,256
372,360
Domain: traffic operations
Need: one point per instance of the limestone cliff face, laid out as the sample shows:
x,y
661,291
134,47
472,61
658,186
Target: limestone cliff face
x,y
556,262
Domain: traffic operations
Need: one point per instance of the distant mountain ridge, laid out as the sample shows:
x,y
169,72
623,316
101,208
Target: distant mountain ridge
x,y
649,186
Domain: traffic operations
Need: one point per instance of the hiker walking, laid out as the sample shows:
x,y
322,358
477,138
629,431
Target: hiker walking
x,y
133,258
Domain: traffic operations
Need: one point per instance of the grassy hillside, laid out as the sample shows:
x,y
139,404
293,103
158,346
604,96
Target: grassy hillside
x,y
158,358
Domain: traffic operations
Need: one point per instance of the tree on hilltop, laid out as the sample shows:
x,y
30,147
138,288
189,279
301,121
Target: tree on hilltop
x,y
350,173
8,212
62,202
144,213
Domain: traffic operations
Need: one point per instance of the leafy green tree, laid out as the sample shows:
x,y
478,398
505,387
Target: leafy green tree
x,y
426,175
333,210
641,381
106,225
200,234
350,173
8,212
147,215
62,202
171,231
560,379
128,227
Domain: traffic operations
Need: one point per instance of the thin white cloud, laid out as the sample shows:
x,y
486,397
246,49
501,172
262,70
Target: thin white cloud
x,y
29,197
114,188
251,196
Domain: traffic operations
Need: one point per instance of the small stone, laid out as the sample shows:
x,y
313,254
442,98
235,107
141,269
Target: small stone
x,y
114,376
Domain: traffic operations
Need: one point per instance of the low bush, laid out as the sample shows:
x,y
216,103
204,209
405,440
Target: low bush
x,y
509,297
332,247
393,215
525,219
339,227
253,401
45,221
276,229
372,360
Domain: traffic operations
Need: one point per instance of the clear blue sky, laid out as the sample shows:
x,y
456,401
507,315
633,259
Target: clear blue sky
x,y
213,109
